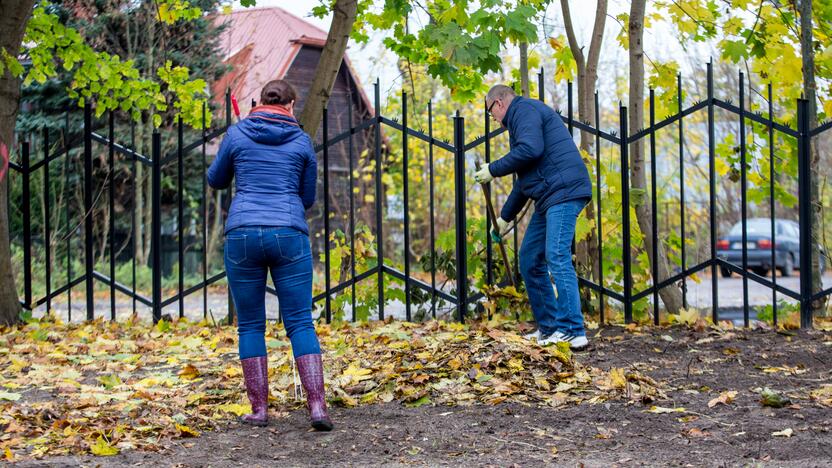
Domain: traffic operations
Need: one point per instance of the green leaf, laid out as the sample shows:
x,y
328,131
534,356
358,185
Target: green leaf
x,y
9,396
734,51
420,402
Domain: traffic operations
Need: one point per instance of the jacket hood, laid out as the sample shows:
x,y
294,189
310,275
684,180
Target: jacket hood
x,y
270,128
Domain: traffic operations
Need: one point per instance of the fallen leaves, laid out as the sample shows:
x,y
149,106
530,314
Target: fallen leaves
x,y
823,395
788,432
9,396
723,398
662,410
102,448
101,388
773,399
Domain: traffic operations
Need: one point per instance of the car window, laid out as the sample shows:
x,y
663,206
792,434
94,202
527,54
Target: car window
x,y
754,227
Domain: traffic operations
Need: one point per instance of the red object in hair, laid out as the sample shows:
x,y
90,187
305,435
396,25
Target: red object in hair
x,y
4,155
235,106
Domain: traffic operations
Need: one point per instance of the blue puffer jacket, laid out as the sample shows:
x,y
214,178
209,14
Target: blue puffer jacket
x,y
548,164
275,168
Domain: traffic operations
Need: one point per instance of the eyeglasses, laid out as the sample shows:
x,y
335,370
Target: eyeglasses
x,y
491,106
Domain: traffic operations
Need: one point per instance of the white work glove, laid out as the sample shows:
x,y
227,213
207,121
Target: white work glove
x,y
499,229
483,176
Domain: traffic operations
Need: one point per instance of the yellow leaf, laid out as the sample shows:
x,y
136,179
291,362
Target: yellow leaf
x,y
189,372
356,374
721,167
662,410
617,378
235,408
555,43
232,372
186,431
9,455
102,448
823,395
194,398
515,365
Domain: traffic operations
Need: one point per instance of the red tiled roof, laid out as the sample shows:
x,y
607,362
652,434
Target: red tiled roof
x,y
261,44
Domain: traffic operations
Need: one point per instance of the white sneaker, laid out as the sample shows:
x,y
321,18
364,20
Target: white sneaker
x,y
575,342
535,335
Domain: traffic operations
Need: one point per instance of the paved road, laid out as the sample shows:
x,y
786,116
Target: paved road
x,y
730,294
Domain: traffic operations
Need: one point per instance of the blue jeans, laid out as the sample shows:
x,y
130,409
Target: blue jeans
x,y
250,253
546,266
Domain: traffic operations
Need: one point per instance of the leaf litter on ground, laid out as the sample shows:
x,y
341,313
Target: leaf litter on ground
x,y
102,387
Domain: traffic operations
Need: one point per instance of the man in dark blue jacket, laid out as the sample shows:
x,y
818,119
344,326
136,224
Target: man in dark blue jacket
x,y
549,171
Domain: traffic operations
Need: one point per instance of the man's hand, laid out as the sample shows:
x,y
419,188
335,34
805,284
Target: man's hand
x,y
483,176
498,230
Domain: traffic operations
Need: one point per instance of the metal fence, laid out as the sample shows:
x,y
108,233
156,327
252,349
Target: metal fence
x,y
462,297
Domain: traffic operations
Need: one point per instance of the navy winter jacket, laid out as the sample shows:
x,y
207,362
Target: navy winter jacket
x,y
275,168
548,164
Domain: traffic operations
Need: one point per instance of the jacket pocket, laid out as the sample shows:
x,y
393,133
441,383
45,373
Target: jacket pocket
x,y
553,178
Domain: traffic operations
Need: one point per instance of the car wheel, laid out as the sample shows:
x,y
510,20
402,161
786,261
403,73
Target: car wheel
x,y
762,271
788,266
725,272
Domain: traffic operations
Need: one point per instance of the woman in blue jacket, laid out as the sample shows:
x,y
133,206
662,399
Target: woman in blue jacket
x,y
275,168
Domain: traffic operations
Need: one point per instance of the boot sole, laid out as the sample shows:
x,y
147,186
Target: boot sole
x,y
322,425
256,423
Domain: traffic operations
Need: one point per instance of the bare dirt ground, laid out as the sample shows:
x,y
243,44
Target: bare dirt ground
x,y
692,367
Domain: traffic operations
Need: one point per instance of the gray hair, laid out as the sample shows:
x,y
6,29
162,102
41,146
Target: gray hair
x,y
500,91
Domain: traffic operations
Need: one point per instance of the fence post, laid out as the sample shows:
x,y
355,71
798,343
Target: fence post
x,y
379,204
180,212
744,203
88,226
600,224
654,203
712,194
327,275
406,197
461,238
625,215
804,179
489,246
111,165
156,225
47,228
27,227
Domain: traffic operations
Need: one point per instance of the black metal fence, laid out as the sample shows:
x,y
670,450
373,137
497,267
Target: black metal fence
x,y
463,297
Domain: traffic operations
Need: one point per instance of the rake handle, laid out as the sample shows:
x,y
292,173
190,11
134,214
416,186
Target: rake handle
x,y
487,191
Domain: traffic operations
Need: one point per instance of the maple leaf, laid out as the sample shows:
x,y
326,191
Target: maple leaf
x,y
102,448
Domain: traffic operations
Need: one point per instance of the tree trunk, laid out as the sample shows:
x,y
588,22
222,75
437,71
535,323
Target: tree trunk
x,y
13,21
671,295
524,69
343,18
810,92
587,250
